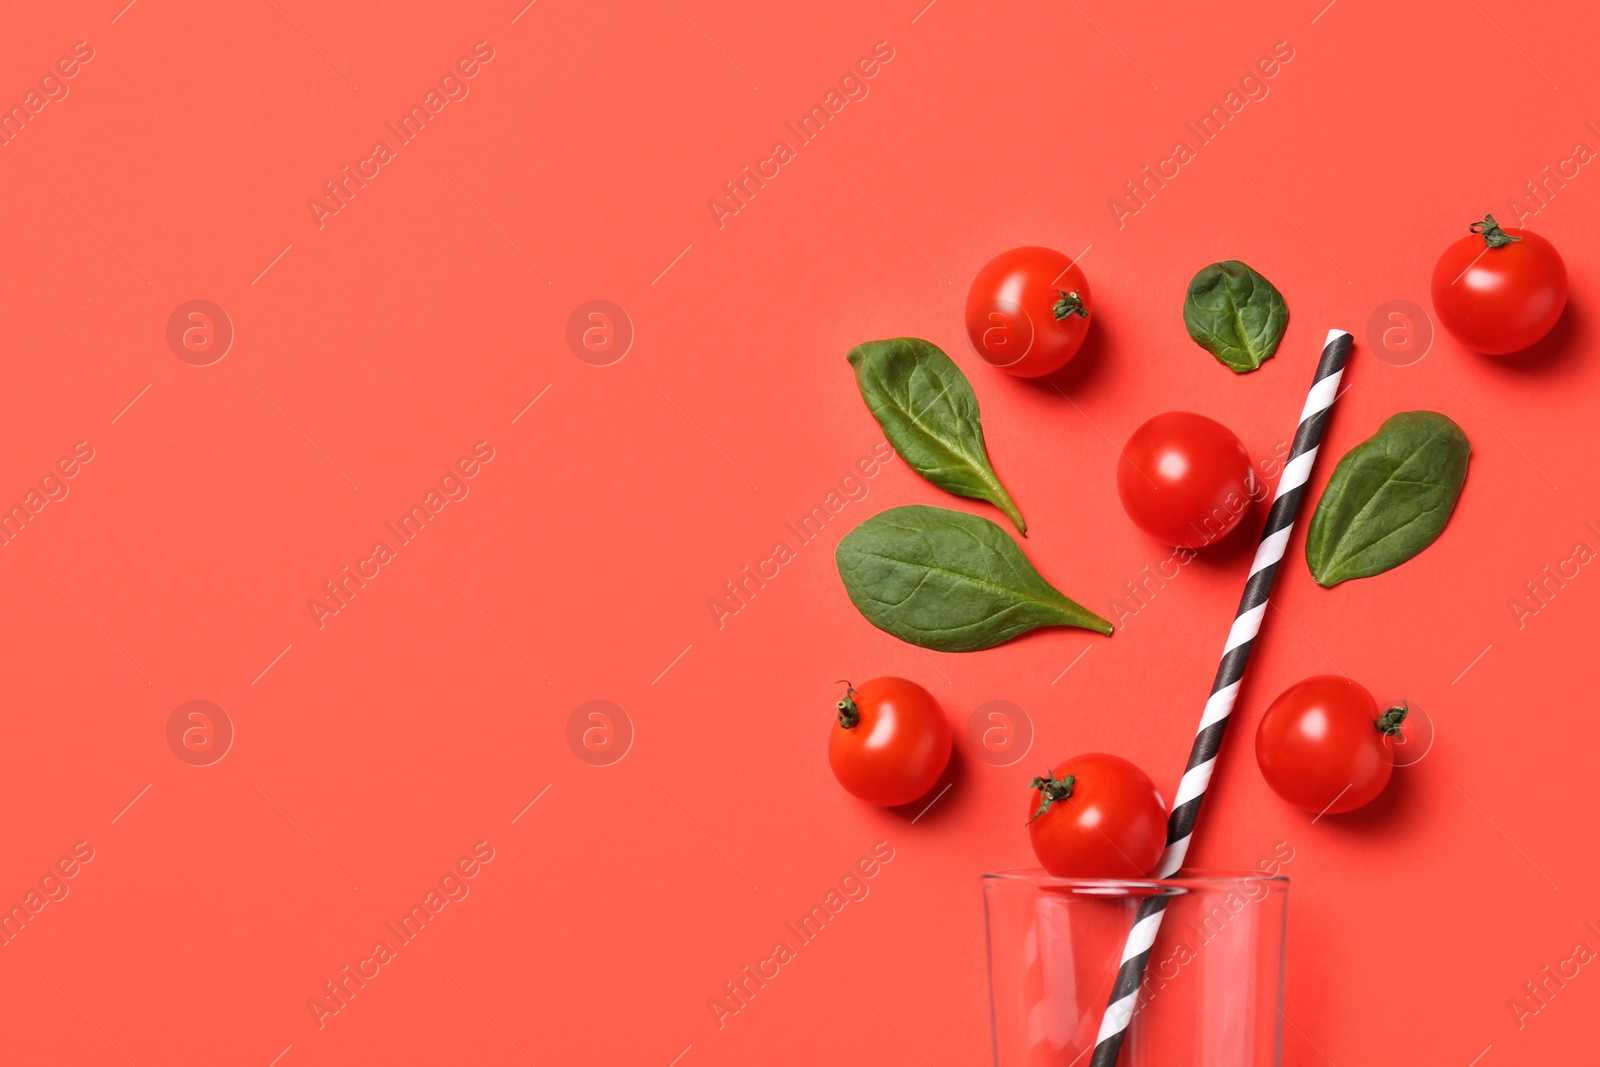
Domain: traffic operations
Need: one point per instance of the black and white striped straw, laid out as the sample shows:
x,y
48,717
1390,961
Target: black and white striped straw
x,y
1224,690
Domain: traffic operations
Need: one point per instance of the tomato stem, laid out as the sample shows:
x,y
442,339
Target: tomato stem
x,y
1389,722
849,714
1489,229
1054,789
1070,304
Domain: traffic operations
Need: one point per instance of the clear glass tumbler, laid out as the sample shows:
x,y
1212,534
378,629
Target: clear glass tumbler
x,y
1212,995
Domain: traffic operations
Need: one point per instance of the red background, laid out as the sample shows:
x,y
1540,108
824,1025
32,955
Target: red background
x,y
432,309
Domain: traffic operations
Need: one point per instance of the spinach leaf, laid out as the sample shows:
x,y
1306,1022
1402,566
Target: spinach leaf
x,y
1389,498
1235,314
949,581
927,410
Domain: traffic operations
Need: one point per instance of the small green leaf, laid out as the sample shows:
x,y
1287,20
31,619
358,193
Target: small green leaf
x,y
930,415
1389,498
1235,314
949,581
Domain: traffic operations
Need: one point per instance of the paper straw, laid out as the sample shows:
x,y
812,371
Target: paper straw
x,y
1224,690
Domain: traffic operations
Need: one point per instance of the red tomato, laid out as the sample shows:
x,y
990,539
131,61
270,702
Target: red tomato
x,y
891,743
1499,291
1097,816
1323,746
1028,311
1185,479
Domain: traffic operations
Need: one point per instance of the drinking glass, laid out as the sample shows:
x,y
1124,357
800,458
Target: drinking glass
x,y
1212,994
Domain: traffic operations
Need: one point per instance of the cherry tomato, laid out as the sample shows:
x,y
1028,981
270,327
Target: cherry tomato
x,y
1097,816
1323,746
891,742
1028,311
1499,291
1185,479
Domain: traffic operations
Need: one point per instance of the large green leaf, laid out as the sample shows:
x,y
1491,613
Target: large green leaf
x,y
930,415
1389,498
1235,314
950,581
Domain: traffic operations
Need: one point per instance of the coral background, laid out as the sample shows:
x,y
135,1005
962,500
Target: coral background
x,y
375,747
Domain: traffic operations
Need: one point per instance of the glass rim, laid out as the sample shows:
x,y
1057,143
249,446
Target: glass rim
x,y
1200,879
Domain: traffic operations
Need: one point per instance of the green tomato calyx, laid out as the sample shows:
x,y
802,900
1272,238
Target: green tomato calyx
x,y
1053,789
849,714
1389,722
1070,304
1490,231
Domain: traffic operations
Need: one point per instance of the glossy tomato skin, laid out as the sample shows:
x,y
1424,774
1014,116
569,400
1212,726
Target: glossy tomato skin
x,y
1185,480
898,748
1011,311
1114,825
1500,300
1319,746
